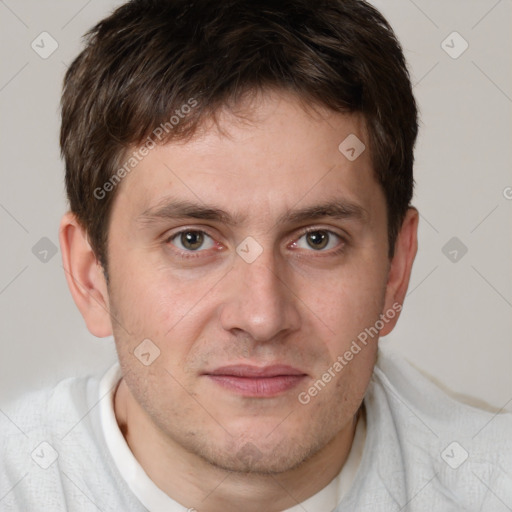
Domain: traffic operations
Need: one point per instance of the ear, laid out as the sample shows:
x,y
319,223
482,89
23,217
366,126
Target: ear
x,y
84,275
406,246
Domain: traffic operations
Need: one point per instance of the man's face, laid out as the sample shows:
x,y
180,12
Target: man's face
x,y
255,291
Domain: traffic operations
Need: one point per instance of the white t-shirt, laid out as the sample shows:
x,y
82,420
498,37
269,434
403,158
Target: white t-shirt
x,y
61,450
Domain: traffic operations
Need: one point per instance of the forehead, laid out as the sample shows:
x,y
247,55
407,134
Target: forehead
x,y
276,156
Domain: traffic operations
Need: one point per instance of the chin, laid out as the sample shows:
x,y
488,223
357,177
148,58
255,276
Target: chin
x,y
250,460
264,455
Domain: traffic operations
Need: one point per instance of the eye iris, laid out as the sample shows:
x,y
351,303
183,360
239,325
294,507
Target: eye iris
x,y
192,239
319,239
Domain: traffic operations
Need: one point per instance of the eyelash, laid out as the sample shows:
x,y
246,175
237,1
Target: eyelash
x,y
196,254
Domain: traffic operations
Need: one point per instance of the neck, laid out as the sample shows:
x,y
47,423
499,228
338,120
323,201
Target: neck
x,y
194,482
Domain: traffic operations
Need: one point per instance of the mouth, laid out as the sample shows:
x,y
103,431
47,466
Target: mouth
x,y
254,381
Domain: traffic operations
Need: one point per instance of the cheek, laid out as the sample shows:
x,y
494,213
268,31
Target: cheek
x,y
151,303
348,302
149,297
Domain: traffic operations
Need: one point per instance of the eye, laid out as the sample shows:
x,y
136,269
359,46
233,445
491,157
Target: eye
x,y
190,240
318,239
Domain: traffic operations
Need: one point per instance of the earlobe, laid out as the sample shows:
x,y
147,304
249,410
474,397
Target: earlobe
x,y
84,276
399,274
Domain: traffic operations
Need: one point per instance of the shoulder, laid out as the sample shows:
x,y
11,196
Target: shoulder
x,y
43,436
48,411
460,454
411,393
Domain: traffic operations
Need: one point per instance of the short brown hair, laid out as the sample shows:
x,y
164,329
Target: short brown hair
x,y
150,57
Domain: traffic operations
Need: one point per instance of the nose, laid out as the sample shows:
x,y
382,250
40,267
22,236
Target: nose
x,y
260,300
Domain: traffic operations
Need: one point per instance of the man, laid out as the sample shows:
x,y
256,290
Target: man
x,y
240,176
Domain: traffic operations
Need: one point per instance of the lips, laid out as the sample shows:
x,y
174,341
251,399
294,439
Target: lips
x,y
244,370
255,381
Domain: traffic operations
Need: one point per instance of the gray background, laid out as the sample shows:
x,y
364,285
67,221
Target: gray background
x,y
457,318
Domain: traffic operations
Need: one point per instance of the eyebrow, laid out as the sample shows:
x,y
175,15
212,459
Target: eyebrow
x,y
170,209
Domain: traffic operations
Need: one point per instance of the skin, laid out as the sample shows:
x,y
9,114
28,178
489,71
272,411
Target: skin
x,y
296,304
